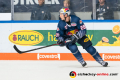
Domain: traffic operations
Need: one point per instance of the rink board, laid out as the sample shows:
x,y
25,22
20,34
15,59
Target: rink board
x,y
34,34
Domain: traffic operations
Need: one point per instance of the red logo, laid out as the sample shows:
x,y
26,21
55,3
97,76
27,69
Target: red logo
x,y
82,27
14,38
58,29
72,74
80,21
66,9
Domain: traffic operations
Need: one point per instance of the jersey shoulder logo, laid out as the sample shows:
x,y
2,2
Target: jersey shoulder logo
x,y
80,21
58,29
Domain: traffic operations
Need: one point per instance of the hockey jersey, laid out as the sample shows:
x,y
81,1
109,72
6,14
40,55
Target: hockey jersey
x,y
66,30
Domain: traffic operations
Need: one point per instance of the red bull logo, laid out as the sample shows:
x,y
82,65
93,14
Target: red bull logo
x,y
66,9
72,32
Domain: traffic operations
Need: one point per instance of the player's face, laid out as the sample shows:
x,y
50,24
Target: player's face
x,y
67,18
62,16
101,1
66,4
40,2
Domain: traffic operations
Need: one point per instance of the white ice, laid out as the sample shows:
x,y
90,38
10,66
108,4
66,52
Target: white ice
x,y
55,70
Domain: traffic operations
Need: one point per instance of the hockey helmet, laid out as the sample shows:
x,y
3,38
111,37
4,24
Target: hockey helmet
x,y
65,11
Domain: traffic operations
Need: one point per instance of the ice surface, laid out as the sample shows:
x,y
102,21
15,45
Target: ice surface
x,y
55,70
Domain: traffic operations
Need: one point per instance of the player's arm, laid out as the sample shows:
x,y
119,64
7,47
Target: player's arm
x,y
60,35
81,28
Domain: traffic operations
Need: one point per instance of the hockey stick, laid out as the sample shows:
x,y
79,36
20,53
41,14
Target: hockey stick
x,y
20,52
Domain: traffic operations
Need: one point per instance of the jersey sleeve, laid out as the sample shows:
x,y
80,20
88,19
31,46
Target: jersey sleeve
x,y
59,31
81,25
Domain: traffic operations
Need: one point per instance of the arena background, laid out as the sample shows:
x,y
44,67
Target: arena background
x,y
82,8
39,65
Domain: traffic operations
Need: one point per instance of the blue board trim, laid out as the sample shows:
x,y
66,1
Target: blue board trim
x,y
56,21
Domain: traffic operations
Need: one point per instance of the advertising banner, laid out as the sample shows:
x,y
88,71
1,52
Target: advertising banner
x,y
26,36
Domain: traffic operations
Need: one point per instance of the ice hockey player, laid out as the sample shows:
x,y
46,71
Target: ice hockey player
x,y
70,30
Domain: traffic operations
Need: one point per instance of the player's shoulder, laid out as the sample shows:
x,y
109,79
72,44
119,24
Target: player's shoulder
x,y
61,23
75,18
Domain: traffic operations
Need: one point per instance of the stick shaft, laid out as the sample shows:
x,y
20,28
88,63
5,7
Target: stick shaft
x,y
40,48
20,52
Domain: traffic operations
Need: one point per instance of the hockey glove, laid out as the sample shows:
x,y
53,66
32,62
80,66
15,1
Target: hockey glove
x,y
72,39
60,41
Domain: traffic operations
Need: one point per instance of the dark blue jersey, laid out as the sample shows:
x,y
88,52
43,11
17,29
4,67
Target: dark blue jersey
x,y
65,30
